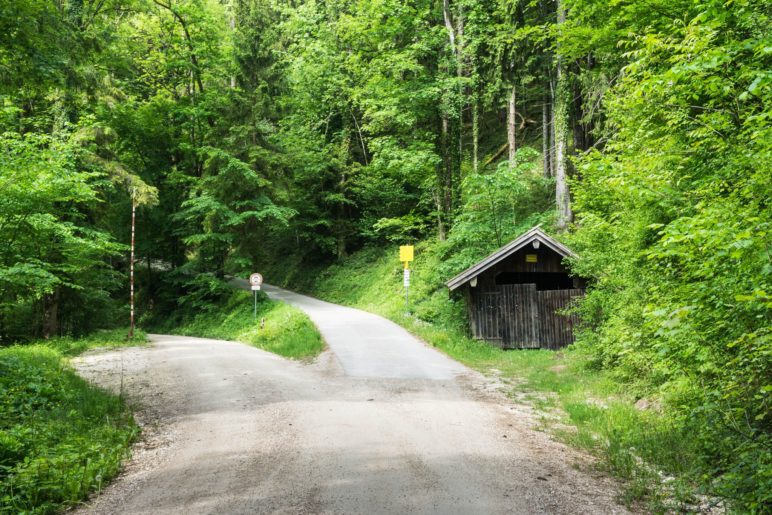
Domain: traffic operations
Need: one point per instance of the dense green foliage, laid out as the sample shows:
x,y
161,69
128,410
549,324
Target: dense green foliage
x,y
276,327
60,437
264,134
675,222
54,267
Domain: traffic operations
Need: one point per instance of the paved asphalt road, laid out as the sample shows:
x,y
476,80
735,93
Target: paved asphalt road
x,y
380,423
367,345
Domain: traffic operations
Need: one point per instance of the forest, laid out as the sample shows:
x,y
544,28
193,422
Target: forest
x,y
227,136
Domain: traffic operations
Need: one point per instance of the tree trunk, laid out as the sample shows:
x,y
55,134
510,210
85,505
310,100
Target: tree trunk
x,y
361,138
233,30
455,167
460,71
441,233
512,126
51,315
562,101
475,131
451,134
444,197
561,143
475,85
552,126
447,204
340,246
149,296
449,25
545,140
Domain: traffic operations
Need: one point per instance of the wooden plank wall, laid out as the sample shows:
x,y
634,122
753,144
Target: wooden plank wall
x,y
488,316
520,325
556,330
517,316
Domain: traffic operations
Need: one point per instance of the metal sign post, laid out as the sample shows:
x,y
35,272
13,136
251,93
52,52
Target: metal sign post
x,y
255,280
406,283
406,256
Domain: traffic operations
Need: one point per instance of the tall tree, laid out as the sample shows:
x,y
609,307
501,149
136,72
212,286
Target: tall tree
x,y
560,109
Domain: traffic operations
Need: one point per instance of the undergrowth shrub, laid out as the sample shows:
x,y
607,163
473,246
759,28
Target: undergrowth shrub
x,y
60,437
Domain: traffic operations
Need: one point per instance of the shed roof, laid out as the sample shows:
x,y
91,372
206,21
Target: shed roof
x,y
535,234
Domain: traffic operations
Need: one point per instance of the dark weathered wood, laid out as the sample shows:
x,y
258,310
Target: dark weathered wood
x,y
488,318
557,327
549,248
517,316
516,303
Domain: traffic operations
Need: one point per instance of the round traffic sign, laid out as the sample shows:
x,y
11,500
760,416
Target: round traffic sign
x,y
255,279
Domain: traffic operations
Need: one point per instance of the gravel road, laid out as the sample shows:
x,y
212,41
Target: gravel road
x,y
380,423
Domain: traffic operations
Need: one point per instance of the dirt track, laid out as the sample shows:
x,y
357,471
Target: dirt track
x,y
232,429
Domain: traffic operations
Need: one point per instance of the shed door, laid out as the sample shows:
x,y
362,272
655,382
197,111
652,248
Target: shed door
x,y
489,316
519,316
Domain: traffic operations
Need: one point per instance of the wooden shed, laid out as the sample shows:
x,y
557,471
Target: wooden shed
x,y
514,295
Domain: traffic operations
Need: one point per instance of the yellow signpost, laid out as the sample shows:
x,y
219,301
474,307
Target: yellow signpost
x,y
406,256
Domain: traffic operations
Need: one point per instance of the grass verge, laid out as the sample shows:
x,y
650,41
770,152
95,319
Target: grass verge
x,y
584,406
60,437
279,328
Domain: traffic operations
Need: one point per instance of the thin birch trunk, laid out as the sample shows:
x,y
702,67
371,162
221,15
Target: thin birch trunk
x,y
233,30
361,138
460,70
545,140
562,195
552,125
441,233
449,25
447,141
512,126
445,182
475,131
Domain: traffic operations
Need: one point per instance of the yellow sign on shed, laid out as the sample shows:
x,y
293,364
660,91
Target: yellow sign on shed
x,y
531,258
406,253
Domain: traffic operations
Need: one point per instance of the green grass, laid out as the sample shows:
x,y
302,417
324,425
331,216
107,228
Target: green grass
x,y
102,339
60,437
285,330
585,407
